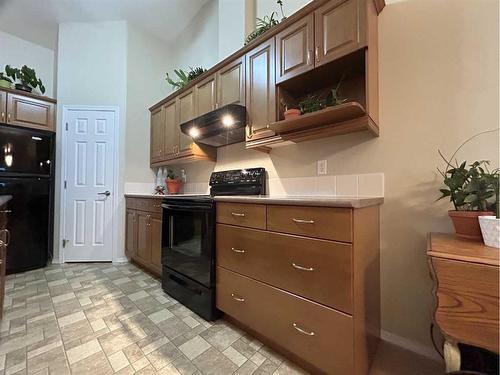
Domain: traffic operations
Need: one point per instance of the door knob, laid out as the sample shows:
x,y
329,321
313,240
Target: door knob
x,y
106,193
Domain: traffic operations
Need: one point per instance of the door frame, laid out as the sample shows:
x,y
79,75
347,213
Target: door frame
x,y
116,168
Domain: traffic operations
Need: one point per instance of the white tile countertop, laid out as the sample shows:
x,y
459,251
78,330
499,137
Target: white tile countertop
x,y
305,200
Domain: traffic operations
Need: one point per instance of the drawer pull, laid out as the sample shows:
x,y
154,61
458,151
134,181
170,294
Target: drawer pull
x,y
239,299
237,250
301,221
237,214
303,331
5,211
302,268
7,236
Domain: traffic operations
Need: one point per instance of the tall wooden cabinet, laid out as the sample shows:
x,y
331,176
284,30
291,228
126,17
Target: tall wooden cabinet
x,y
157,128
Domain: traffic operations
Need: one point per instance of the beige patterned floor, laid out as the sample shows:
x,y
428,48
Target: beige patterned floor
x,y
103,319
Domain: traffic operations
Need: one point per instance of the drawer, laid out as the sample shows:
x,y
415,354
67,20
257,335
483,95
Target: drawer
x,y
242,214
319,270
148,204
330,223
155,205
318,335
130,203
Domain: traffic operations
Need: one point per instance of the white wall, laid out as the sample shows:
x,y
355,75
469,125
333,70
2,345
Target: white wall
x,y
266,7
92,70
18,52
231,27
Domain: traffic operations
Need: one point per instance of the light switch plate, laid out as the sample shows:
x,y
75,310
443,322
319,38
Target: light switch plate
x,y
322,168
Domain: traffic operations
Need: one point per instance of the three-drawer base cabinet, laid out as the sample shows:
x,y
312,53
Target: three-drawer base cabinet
x,y
305,280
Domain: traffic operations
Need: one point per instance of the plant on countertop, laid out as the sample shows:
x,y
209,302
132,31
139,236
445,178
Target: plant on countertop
x,y
185,78
473,189
265,23
27,77
171,174
174,183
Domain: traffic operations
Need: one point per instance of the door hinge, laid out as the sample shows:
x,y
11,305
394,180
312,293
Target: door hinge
x,y
65,184
65,241
66,126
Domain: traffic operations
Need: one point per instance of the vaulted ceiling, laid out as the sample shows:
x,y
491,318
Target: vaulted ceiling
x,y
37,20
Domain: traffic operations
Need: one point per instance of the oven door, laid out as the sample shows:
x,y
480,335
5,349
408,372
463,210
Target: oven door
x,y
188,239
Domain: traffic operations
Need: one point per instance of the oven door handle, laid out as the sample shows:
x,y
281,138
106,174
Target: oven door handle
x,y
186,208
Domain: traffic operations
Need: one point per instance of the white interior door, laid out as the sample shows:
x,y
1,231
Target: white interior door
x,y
89,161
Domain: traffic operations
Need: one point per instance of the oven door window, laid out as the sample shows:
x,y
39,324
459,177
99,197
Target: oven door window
x,y
189,244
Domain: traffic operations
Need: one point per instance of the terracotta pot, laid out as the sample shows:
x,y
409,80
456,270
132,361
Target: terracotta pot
x,y
174,186
466,223
292,113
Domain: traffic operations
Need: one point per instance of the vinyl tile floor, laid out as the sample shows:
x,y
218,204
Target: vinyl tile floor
x,y
99,318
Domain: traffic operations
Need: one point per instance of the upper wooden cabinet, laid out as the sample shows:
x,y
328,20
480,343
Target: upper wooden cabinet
x,y
295,49
260,89
156,138
27,110
186,108
338,30
231,83
205,94
171,130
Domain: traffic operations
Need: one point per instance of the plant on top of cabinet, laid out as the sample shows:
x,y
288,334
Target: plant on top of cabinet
x,y
5,81
184,78
27,77
473,190
265,23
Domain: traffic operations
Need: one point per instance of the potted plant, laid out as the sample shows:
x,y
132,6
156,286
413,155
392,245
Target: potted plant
x,y
27,78
471,189
185,78
174,183
5,81
490,225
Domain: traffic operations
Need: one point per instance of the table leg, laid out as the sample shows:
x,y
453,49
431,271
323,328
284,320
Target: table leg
x,y
451,356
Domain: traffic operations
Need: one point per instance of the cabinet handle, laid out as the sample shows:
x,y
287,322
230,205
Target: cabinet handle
x,y
237,250
309,53
237,214
5,211
8,117
302,268
316,53
239,299
3,116
7,236
303,331
302,221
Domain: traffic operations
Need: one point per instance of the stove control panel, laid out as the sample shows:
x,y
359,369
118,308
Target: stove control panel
x,y
238,181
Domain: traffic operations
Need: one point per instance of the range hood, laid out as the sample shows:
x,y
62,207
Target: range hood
x,y
221,127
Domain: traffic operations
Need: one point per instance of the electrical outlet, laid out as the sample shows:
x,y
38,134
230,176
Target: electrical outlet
x,y
322,167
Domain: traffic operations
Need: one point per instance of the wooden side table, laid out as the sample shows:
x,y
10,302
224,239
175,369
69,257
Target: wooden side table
x,y
466,278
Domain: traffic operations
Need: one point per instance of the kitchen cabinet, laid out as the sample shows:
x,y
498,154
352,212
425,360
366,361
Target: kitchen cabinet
x,y
4,242
294,49
156,138
186,108
27,110
337,30
170,131
231,83
205,94
143,232
296,276
260,89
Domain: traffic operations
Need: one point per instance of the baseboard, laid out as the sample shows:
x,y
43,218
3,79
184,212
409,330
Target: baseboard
x,y
410,345
120,260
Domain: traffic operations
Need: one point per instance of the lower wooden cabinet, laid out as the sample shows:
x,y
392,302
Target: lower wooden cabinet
x,y
4,239
143,232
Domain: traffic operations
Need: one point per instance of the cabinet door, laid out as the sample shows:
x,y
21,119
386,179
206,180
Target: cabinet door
x,y
131,233
171,130
30,112
186,108
3,106
337,30
205,95
294,49
260,89
143,237
156,141
155,230
231,83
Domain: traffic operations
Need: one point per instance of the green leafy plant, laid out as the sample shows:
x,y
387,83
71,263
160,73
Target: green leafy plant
x,y
4,77
333,97
311,103
470,187
171,175
185,78
25,75
265,23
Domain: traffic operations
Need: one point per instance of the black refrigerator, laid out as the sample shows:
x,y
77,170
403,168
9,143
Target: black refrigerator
x,y
27,174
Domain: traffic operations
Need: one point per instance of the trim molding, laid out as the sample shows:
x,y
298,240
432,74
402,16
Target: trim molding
x,y
410,345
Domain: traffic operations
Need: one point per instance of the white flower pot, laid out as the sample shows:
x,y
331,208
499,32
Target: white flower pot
x,y
490,228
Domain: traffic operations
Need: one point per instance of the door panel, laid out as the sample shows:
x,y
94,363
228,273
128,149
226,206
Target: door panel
x,y
171,130
231,83
186,107
337,30
205,94
155,230
260,89
143,237
156,141
30,112
131,233
3,106
89,174
294,49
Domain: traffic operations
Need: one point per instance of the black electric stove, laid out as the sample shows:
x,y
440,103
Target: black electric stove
x,y
188,239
